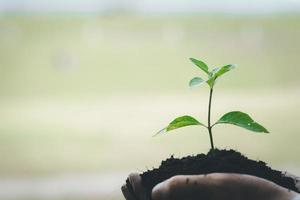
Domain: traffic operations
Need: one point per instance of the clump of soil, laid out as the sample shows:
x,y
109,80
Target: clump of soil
x,y
228,161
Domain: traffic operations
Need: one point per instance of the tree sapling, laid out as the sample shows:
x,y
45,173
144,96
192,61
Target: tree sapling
x,y
234,117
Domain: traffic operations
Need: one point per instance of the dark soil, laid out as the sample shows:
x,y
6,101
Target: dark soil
x,y
228,161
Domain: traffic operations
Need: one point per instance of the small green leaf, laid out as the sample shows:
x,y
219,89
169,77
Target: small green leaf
x,y
242,120
223,70
200,64
217,72
180,122
196,81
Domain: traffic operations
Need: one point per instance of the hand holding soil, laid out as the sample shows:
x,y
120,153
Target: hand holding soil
x,y
217,175
214,186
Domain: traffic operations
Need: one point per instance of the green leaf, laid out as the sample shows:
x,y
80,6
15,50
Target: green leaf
x,y
217,72
200,64
196,81
181,122
223,70
242,120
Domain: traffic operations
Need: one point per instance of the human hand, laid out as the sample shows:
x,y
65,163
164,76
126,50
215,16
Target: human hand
x,y
215,186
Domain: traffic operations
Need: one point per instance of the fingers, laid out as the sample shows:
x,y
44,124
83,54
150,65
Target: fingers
x,y
195,187
161,191
219,186
183,187
213,186
128,195
138,191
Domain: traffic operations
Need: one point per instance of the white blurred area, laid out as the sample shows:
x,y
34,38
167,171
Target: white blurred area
x,y
152,6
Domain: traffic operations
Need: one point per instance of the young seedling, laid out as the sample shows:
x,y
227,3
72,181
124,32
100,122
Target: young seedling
x,y
234,117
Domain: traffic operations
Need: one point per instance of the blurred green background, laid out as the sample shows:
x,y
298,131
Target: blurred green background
x,y
83,94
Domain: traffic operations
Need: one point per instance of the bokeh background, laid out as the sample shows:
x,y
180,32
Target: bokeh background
x,y
85,84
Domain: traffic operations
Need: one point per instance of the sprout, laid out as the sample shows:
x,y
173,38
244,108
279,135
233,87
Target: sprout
x,y
234,117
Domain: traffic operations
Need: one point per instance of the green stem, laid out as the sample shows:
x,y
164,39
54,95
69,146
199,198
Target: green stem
x,y
209,127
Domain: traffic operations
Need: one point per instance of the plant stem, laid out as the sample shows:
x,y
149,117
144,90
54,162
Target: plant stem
x,y
209,127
